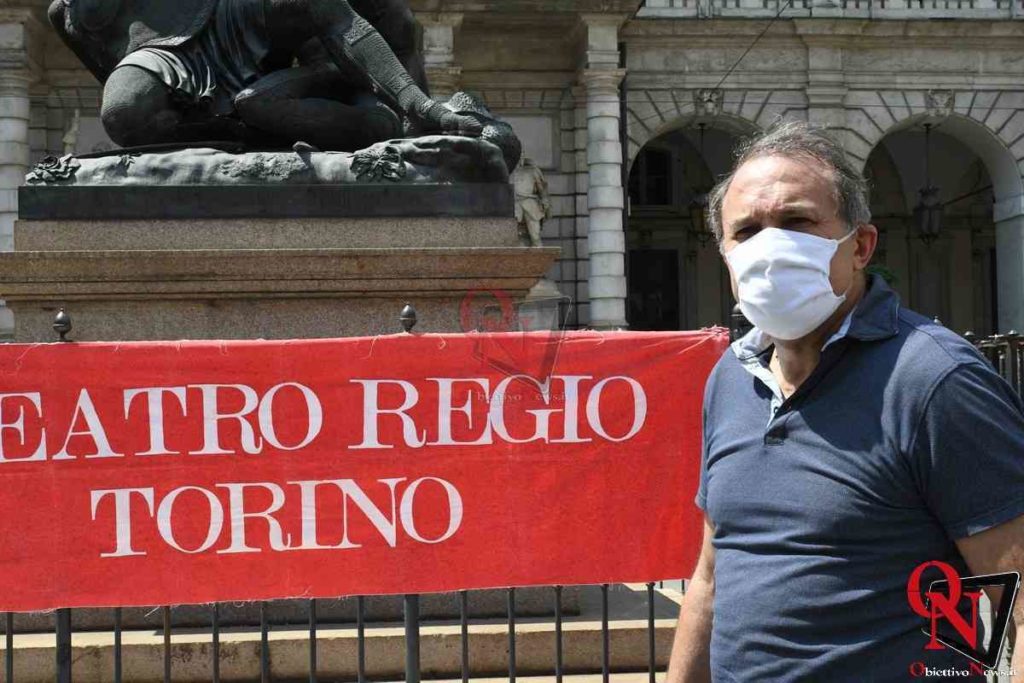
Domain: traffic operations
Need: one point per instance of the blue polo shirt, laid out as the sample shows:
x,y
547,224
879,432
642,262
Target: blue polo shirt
x,y
901,440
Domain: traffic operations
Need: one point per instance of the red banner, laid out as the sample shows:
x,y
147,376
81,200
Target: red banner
x,y
192,472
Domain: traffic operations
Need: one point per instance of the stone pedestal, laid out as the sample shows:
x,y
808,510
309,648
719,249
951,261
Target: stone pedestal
x,y
245,262
270,262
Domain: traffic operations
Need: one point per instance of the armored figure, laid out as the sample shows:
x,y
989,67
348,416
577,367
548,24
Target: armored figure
x,y
336,74
533,204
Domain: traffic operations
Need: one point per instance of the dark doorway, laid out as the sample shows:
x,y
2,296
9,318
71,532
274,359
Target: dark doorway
x,y
654,289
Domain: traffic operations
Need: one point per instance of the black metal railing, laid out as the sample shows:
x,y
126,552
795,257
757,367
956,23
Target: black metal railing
x,y
1006,353
64,658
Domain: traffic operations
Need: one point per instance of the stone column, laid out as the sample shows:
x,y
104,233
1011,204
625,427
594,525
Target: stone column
x,y
1010,271
605,202
600,79
14,158
439,29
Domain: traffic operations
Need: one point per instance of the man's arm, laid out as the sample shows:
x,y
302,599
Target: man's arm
x,y
691,649
993,551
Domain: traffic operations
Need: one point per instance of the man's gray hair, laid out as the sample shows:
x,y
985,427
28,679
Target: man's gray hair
x,y
800,140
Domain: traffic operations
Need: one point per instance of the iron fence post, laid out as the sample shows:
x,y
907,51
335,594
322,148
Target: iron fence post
x,y
63,645
412,638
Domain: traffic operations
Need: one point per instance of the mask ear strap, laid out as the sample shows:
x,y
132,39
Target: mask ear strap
x,y
847,236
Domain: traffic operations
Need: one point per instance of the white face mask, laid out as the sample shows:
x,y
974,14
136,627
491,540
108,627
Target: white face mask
x,y
782,278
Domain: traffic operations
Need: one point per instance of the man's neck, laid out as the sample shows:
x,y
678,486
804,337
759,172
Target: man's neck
x,y
793,361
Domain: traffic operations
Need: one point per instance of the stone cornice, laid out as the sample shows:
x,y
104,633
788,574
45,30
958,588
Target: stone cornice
x,y
628,7
828,31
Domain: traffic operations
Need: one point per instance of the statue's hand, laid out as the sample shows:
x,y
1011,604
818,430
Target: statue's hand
x,y
438,117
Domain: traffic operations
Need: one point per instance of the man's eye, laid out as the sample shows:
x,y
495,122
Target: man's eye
x,y
745,232
797,222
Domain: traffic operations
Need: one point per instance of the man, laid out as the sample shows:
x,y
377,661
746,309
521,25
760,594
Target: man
x,y
847,440
199,70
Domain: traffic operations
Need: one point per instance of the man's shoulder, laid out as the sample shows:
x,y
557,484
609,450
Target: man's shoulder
x,y
935,347
922,353
724,376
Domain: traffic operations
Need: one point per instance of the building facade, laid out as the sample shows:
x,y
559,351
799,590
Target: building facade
x,y
632,109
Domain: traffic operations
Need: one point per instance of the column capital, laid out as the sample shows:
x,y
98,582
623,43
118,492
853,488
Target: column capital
x,y
592,19
1008,208
600,39
24,37
452,20
14,80
601,79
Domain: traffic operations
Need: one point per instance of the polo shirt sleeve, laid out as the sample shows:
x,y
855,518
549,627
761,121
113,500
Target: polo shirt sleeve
x,y
968,451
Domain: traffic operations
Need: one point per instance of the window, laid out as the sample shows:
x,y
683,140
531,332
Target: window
x,y
650,183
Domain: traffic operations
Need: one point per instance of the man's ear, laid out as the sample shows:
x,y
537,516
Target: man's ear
x,y
865,241
94,15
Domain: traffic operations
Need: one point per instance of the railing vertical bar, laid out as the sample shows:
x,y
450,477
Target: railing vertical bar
x,y
264,645
63,645
651,660
312,641
117,645
605,668
361,639
558,635
167,643
412,638
512,635
9,647
464,633
215,649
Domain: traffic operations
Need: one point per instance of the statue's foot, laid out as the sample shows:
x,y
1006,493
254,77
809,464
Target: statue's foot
x,y
437,116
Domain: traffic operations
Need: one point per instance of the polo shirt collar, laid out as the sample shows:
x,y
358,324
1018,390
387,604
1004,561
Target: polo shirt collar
x,y
875,317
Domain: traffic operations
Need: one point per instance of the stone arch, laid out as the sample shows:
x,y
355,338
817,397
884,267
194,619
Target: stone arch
x,y
654,112
991,124
728,123
996,156
1002,166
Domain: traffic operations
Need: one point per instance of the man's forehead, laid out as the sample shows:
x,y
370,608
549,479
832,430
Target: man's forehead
x,y
782,183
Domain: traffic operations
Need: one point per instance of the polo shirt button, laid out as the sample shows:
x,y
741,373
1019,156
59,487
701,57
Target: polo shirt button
x,y
775,436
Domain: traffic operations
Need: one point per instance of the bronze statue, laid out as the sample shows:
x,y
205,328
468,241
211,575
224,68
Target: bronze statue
x,y
336,74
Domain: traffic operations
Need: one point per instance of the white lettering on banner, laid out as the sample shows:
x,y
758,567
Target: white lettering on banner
x,y
639,408
372,410
454,510
212,418
400,514
93,429
445,409
122,517
236,500
18,425
155,406
349,491
314,416
498,404
163,519
234,419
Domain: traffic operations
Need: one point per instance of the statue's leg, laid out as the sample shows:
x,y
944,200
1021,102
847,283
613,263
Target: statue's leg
x,y
294,104
348,39
138,109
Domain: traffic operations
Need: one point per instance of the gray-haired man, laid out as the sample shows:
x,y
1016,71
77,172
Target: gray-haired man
x,y
847,440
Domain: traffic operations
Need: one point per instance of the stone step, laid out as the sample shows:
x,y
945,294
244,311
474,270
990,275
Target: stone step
x,y
142,652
